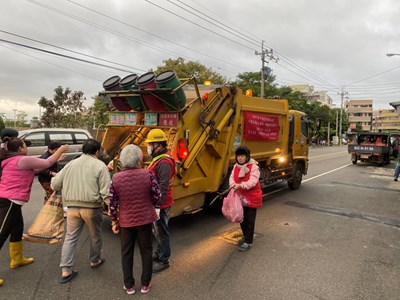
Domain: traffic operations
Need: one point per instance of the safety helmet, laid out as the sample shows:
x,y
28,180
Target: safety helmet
x,y
155,136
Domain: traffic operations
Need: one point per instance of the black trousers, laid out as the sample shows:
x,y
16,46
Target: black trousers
x,y
143,234
248,224
11,221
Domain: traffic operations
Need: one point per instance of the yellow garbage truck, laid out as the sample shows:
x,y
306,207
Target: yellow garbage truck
x,y
203,131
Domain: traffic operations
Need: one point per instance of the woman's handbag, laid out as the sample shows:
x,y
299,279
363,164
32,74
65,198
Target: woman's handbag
x,y
232,207
48,227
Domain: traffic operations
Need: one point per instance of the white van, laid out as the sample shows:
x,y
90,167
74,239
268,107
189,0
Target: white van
x,y
41,137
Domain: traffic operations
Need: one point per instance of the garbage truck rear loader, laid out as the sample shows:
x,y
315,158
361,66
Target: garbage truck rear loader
x,y
203,134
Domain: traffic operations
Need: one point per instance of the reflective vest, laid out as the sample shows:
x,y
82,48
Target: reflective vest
x,y
165,158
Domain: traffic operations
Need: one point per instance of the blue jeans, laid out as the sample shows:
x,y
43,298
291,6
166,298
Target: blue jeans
x,y
76,218
161,232
397,170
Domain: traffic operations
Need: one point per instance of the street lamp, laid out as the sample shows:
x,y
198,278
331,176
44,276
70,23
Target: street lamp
x,y
392,54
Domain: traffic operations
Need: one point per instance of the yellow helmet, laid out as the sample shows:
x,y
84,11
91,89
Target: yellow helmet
x,y
155,136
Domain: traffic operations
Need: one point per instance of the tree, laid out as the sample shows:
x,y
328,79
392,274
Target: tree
x,y
21,115
252,80
359,128
66,109
188,69
99,111
2,126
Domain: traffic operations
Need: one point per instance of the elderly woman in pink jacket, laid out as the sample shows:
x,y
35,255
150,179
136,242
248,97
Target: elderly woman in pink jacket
x,y
18,173
245,178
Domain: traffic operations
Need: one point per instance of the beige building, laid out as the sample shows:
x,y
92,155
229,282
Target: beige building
x,y
359,111
308,92
386,120
323,97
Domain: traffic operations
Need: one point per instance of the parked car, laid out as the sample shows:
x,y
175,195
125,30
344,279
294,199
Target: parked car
x,y
41,137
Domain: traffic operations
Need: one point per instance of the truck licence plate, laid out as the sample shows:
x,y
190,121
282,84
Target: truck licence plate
x,y
364,156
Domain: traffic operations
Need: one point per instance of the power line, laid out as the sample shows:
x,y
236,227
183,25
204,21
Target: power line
x,y
297,66
136,27
155,35
289,61
63,55
104,28
47,62
235,32
65,49
114,31
282,66
198,25
222,18
372,76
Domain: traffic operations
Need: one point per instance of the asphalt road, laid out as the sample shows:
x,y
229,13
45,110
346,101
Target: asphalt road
x,y
337,237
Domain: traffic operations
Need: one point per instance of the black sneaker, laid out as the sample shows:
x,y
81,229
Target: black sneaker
x,y
160,266
395,179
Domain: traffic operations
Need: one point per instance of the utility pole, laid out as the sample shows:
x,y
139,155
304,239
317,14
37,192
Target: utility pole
x,y
342,93
337,117
269,54
329,133
15,117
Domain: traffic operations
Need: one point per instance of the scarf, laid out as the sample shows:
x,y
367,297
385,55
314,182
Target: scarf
x,y
243,169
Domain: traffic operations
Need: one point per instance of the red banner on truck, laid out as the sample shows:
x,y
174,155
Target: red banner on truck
x,y
260,126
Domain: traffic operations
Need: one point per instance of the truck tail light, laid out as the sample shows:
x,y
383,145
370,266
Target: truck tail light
x,y
183,151
249,92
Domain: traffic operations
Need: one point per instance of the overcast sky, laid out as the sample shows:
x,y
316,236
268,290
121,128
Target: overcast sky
x,y
328,44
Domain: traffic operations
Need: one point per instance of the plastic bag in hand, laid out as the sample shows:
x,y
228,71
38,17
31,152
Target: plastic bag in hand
x,y
232,207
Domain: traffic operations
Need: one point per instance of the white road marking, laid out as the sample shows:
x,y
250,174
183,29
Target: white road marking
x,y
327,172
323,174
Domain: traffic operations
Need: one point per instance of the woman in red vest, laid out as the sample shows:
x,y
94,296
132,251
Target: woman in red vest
x,y
245,178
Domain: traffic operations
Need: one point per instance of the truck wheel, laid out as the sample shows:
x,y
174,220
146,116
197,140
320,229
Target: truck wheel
x,y
354,161
295,182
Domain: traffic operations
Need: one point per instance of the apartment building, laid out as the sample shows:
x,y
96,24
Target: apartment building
x,y
359,111
387,120
308,92
323,97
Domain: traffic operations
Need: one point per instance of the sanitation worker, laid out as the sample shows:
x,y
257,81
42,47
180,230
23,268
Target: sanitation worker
x,y
163,166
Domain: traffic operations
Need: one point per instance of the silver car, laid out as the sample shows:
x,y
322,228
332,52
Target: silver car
x,y
41,137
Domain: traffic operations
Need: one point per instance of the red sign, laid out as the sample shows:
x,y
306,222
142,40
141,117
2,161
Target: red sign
x,y
260,126
168,119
